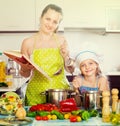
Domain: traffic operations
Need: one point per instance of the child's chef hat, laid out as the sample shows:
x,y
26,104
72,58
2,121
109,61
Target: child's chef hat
x,y
84,55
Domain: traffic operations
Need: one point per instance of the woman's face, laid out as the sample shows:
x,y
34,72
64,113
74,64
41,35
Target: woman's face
x,y
88,67
50,21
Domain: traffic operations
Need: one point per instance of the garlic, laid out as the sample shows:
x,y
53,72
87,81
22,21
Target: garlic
x,y
20,113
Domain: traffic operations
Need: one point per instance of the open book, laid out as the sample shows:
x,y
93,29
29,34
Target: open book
x,y
17,56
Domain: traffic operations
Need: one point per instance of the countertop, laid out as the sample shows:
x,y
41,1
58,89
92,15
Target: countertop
x,y
17,83
94,121
111,73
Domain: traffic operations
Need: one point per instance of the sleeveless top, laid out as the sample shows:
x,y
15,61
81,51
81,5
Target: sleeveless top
x,y
50,60
84,88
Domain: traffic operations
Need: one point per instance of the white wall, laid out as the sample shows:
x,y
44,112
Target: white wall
x,y
107,45
11,40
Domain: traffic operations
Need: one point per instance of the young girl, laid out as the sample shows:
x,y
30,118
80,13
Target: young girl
x,y
91,78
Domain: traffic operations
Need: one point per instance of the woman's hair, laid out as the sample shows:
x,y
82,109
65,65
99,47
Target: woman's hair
x,y
53,7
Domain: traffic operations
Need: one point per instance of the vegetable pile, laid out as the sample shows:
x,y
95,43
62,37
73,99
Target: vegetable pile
x,y
9,103
67,110
115,118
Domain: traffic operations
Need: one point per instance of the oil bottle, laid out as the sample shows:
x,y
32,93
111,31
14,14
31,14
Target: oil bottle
x,y
2,69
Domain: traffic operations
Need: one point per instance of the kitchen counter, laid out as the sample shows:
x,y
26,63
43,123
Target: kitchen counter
x,y
111,73
17,83
95,121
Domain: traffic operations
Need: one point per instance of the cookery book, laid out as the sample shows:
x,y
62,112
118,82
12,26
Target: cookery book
x,y
17,56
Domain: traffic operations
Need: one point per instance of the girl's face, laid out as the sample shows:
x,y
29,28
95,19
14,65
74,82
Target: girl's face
x,y
50,21
88,67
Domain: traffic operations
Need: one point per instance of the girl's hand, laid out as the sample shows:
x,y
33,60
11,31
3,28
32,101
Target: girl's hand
x,y
76,82
103,84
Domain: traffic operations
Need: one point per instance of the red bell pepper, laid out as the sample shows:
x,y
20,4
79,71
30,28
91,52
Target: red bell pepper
x,y
68,109
68,105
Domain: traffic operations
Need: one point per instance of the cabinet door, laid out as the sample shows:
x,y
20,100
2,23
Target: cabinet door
x,y
86,13
40,5
17,15
113,19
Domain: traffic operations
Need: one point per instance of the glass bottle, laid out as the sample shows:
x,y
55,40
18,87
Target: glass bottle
x,y
2,68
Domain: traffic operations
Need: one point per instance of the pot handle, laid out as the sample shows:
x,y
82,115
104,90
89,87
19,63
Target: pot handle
x,y
43,93
80,95
100,96
73,93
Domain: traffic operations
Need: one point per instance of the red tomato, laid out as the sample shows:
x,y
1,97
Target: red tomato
x,y
73,118
38,118
45,118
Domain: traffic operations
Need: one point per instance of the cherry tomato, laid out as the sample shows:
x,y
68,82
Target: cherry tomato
x,y
38,118
73,118
45,118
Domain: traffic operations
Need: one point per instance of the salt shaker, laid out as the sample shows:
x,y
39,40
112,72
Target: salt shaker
x,y
106,106
115,92
118,107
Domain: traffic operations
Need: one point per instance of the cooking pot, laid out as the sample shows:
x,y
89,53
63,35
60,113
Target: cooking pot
x,y
54,96
92,100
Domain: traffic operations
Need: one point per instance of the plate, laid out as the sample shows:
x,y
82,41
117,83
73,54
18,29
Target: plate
x,y
9,103
13,121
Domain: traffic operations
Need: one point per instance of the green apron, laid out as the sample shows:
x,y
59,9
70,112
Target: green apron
x,y
50,60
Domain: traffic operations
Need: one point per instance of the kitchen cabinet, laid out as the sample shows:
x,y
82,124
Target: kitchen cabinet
x,y
82,14
86,13
24,15
17,15
40,5
113,19
115,82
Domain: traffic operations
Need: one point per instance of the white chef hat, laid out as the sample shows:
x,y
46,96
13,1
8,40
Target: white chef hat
x,y
84,55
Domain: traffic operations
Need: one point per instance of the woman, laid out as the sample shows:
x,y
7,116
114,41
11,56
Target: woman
x,y
48,50
91,78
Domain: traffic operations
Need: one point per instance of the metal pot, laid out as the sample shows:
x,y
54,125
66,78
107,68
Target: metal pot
x,y
54,96
92,100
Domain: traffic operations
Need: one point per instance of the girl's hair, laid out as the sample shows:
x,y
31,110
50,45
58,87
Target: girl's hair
x,y
98,71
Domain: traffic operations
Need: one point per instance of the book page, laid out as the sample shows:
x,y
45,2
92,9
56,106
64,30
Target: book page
x,y
18,57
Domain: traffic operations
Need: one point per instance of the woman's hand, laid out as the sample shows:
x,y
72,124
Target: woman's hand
x,y
64,50
70,65
26,69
